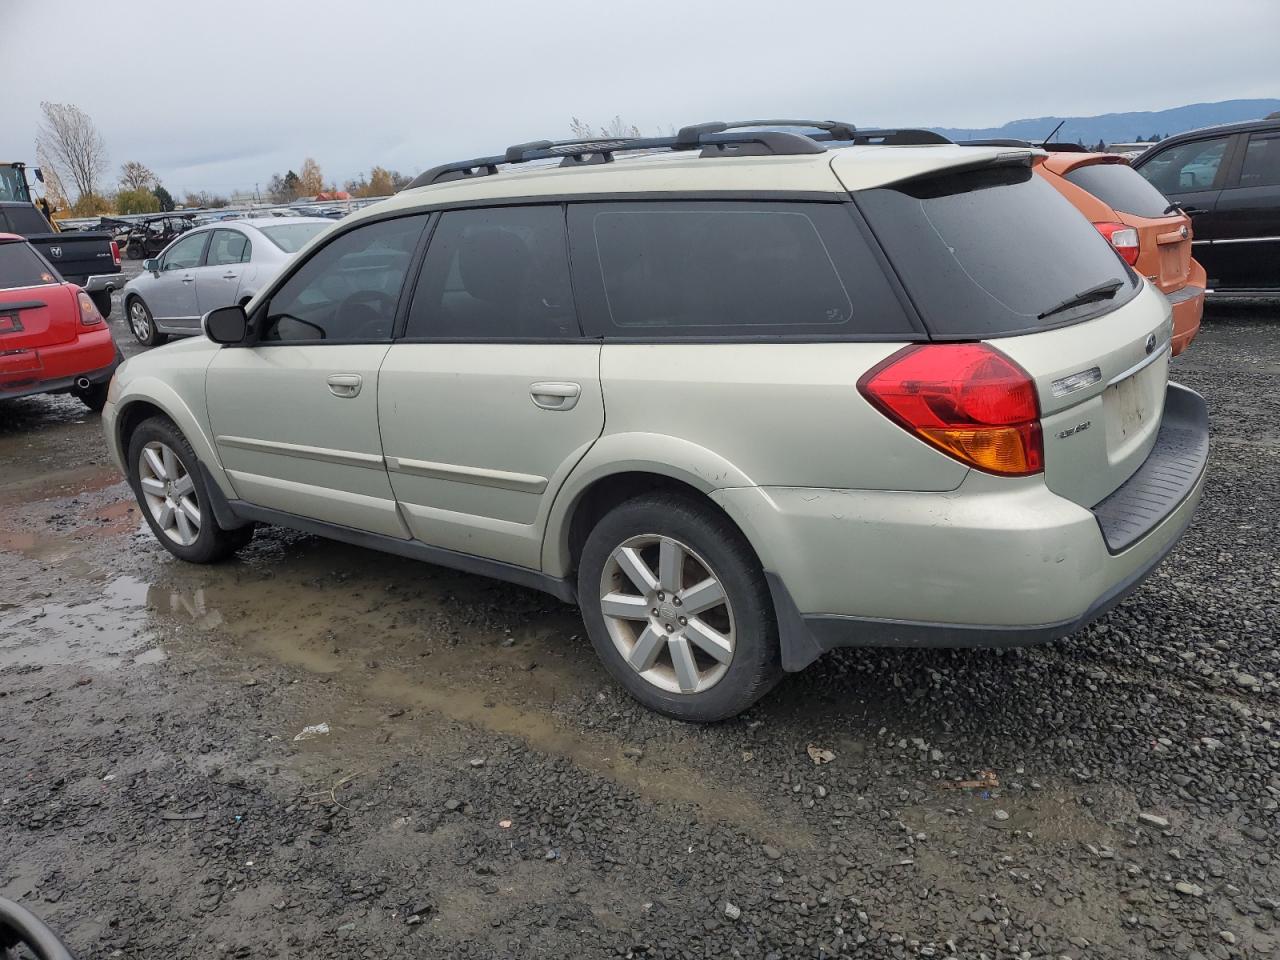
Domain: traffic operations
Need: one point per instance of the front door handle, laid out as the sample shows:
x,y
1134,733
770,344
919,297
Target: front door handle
x,y
188,279
345,385
555,394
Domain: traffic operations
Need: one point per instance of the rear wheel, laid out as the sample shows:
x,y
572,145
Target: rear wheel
x,y
678,609
102,300
163,471
143,325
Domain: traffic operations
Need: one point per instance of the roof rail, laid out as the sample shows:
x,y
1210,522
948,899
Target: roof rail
x,y
717,138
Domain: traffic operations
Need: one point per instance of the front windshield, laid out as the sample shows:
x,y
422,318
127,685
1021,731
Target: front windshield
x,y
290,237
13,185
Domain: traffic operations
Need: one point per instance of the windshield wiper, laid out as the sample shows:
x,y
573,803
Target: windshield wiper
x,y
1103,291
1172,207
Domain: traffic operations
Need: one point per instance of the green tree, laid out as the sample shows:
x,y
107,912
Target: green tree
x,y
163,197
140,200
91,205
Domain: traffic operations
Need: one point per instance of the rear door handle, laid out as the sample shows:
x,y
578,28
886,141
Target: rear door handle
x,y
230,276
345,385
555,394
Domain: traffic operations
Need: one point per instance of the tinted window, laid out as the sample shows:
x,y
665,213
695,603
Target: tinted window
x,y
1120,187
227,246
1186,167
727,269
25,220
1261,161
988,252
493,274
291,237
186,253
348,289
20,266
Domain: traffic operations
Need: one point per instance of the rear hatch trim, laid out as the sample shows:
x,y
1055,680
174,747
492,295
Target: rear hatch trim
x,y
1166,478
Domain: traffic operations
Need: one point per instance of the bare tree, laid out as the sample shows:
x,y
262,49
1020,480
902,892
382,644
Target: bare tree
x,y
68,138
137,176
54,190
615,129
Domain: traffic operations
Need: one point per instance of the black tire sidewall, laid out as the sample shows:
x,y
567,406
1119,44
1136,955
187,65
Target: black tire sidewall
x,y
212,543
154,337
756,665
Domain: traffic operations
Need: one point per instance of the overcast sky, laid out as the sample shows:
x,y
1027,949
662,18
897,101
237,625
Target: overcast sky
x,y
219,94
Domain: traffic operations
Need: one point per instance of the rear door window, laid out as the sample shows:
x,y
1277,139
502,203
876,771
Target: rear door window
x,y
1261,161
1186,167
994,252
662,270
227,247
20,266
500,273
1120,187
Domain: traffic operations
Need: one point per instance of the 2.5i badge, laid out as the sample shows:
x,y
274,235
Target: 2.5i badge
x,y
1078,428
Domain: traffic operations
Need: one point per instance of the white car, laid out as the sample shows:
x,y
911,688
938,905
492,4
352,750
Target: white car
x,y
213,266
741,397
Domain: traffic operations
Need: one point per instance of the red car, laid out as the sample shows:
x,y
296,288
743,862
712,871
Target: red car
x,y
52,337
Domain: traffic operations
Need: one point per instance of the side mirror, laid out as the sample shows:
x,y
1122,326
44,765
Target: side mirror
x,y
39,174
151,265
226,325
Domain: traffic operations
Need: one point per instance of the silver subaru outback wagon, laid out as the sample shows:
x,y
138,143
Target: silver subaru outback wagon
x,y
743,394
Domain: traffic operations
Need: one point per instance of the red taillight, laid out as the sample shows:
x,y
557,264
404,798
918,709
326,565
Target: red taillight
x,y
1124,239
115,252
967,399
89,315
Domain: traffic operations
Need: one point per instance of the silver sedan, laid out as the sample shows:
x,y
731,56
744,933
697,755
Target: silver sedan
x,y
212,266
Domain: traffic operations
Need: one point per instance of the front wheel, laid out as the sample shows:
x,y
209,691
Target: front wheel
x,y
164,474
677,608
143,325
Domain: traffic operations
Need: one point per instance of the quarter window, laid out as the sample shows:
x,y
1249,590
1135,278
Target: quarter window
x,y
1261,161
495,274
348,290
186,253
227,247
1186,167
732,269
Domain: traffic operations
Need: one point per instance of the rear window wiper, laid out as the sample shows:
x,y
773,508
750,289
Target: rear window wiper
x,y
1103,291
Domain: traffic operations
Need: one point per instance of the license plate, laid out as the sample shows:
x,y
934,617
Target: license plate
x,y
19,365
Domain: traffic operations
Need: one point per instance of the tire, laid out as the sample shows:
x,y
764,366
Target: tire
x,y
95,398
142,325
710,687
207,542
102,300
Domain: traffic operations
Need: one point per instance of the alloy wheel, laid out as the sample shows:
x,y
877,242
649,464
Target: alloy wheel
x,y
139,322
667,613
170,493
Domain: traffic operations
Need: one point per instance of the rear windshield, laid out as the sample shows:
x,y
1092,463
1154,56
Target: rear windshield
x,y
24,220
1120,187
995,252
291,237
20,266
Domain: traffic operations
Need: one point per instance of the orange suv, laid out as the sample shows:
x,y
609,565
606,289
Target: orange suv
x,y
1150,233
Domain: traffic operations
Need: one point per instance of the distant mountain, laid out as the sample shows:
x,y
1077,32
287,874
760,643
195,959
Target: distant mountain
x,y
1122,127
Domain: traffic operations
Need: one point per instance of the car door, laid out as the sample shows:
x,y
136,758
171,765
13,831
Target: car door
x,y
218,281
172,297
295,414
1248,212
491,396
1192,174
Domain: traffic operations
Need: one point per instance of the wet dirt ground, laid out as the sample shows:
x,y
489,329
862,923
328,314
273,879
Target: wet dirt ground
x,y
478,787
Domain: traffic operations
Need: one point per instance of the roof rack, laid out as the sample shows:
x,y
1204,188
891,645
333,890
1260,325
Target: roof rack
x,y
717,138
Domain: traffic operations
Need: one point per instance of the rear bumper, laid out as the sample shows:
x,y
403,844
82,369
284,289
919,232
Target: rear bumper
x,y
996,562
107,282
1188,308
93,355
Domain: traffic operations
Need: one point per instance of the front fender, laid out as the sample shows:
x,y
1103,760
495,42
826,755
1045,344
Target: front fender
x,y
621,453
193,423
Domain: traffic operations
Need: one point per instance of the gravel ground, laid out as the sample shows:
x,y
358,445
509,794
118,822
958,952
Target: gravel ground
x,y
481,789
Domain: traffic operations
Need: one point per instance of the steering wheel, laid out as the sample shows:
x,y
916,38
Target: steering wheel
x,y
20,927
369,313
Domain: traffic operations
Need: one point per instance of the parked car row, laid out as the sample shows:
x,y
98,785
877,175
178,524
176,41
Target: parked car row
x,y
741,396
